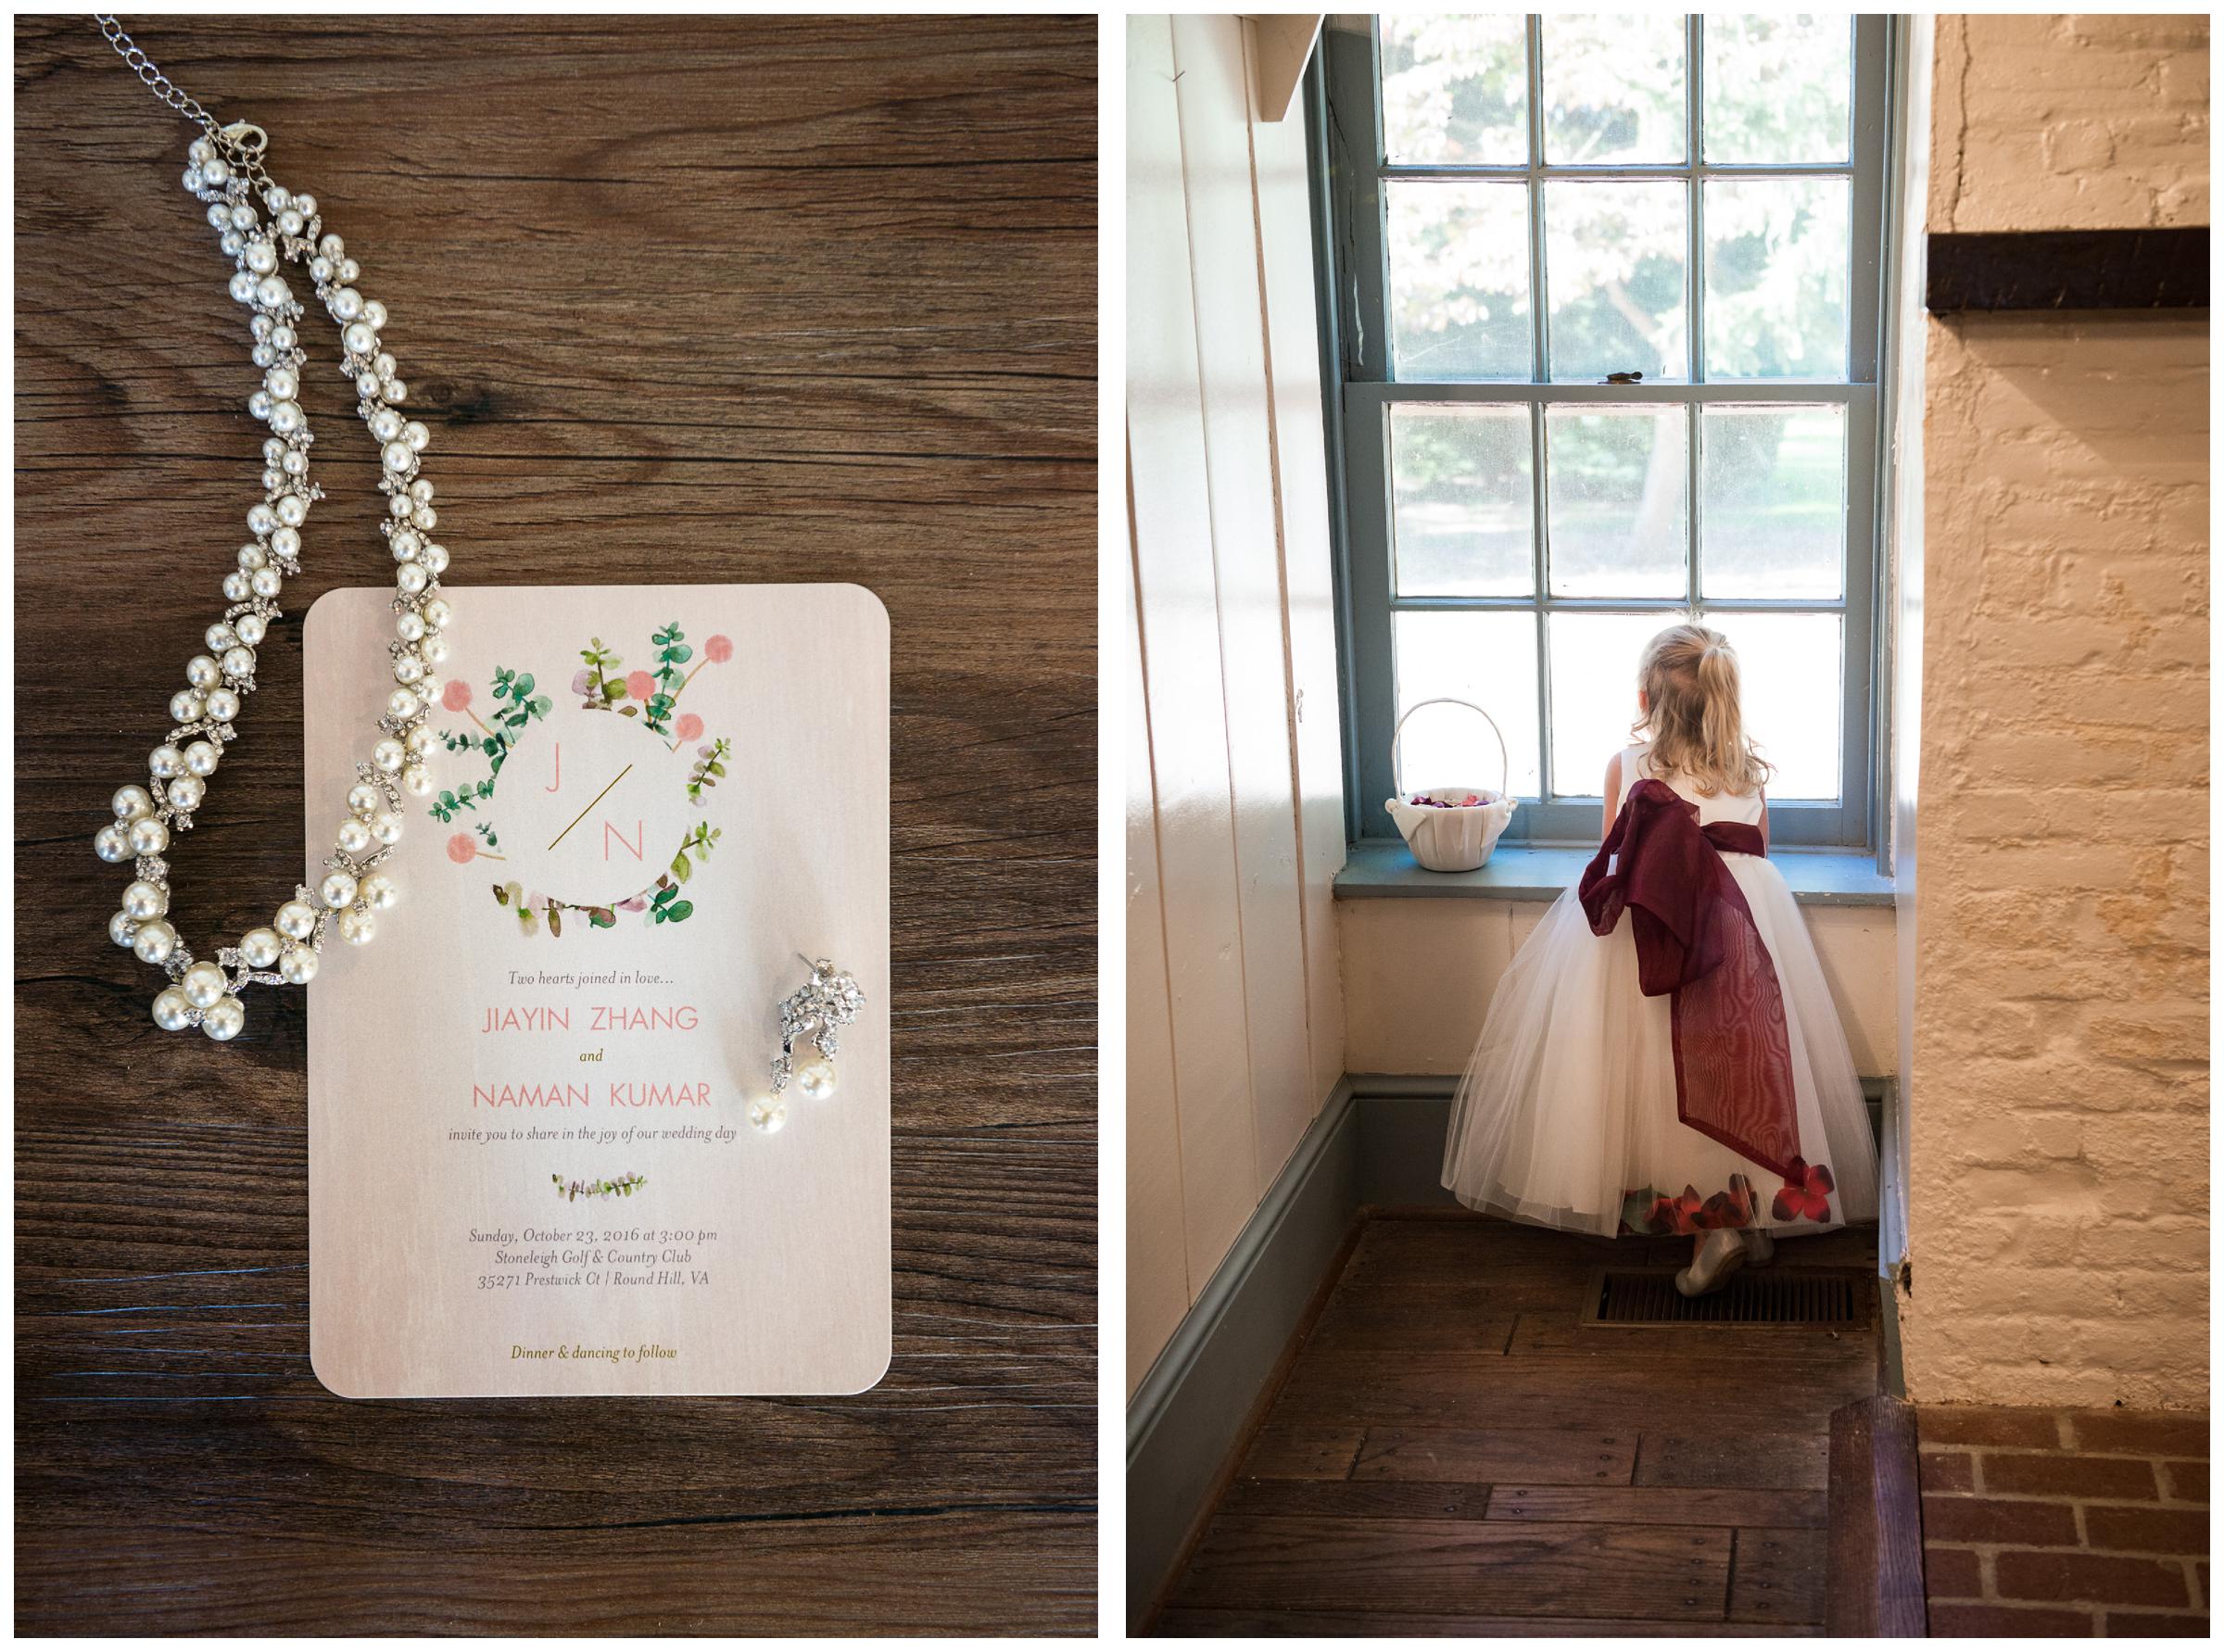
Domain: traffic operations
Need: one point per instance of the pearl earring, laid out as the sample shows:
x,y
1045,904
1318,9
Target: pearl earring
x,y
828,1001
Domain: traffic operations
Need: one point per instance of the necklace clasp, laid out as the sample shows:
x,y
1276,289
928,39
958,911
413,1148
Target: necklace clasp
x,y
247,138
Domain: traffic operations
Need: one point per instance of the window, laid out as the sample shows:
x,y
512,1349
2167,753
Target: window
x,y
1606,308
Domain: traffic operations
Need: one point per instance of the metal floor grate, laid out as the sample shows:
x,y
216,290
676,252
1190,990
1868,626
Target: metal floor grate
x,y
1756,1297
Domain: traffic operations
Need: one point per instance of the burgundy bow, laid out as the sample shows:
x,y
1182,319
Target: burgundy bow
x,y
1697,942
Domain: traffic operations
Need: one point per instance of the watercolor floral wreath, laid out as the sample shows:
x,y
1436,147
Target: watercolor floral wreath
x,y
653,697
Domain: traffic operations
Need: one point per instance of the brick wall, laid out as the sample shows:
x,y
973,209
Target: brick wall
x,y
2064,1524
2070,122
2058,1203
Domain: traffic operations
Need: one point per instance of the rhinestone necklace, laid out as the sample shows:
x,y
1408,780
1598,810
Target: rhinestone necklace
x,y
224,169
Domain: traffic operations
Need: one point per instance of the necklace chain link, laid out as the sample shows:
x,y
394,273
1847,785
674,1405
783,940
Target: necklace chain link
x,y
243,144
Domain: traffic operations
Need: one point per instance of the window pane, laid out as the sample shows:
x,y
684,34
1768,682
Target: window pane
x,y
1463,510
1488,659
1613,89
1780,88
1792,665
1772,489
1618,492
1459,279
1455,91
1595,691
1789,664
1777,266
1614,255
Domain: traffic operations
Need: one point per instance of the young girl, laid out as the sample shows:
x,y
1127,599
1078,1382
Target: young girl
x,y
1663,1056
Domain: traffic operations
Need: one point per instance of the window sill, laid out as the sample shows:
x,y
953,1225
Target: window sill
x,y
1378,869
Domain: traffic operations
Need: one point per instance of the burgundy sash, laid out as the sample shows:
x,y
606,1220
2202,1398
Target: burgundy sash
x,y
1697,942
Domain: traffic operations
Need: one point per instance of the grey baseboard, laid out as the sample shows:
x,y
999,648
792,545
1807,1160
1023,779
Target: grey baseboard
x,y
1187,1417
1402,1123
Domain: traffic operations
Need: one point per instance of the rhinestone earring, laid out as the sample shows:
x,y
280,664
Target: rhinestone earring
x,y
827,1003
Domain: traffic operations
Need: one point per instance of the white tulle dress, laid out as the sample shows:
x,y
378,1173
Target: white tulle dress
x,y
1566,1115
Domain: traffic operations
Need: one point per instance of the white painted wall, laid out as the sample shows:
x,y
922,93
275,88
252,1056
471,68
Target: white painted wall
x,y
1235,797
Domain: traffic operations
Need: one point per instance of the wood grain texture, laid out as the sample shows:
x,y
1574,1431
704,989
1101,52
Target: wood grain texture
x,y
1874,1582
1193,1624
1570,1480
688,299
1534,1457
1322,1563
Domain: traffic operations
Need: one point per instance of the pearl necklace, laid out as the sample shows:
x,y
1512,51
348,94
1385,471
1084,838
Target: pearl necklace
x,y
224,165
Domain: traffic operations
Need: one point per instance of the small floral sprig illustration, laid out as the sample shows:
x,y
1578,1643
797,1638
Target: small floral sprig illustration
x,y
672,652
524,706
648,695
532,908
710,765
594,1189
667,907
699,843
599,685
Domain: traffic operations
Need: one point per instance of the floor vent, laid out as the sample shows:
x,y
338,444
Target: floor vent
x,y
1812,1298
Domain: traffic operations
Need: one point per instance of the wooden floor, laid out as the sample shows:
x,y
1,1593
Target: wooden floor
x,y
1452,1453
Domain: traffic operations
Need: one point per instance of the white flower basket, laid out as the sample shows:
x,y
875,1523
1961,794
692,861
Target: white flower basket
x,y
1450,834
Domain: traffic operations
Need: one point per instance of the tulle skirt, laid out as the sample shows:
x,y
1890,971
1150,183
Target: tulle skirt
x,y
1566,1115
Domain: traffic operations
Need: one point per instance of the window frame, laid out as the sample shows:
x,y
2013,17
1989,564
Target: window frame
x,y
1351,171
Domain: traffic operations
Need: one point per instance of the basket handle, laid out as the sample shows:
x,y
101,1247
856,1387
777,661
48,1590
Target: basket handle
x,y
1398,777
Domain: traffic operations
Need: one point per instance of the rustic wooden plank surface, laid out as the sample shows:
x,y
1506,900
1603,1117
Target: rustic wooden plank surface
x,y
1322,1563
1410,1478
1190,1623
681,299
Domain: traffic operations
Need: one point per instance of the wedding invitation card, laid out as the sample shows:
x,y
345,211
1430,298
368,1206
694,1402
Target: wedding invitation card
x,y
545,1153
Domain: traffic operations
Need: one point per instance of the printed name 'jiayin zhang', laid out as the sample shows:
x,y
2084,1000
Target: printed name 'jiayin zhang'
x,y
600,1018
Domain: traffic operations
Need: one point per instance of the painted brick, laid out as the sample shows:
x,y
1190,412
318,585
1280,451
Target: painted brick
x,y
1992,1520
2006,1623
2169,813
1950,1573
2078,148
2121,1624
2148,1531
2180,1032
2152,1434
2060,1024
2185,1483
2050,1476
2107,1580
2175,1242
2184,78
1947,1471
1986,1425
2017,1141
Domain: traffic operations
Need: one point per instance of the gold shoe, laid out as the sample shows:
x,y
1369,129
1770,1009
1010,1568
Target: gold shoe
x,y
1760,1246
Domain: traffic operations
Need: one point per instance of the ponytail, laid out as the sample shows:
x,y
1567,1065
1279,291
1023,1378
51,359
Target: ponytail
x,y
1694,711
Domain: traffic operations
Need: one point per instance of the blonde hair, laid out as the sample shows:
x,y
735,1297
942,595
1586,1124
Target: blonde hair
x,y
1694,716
